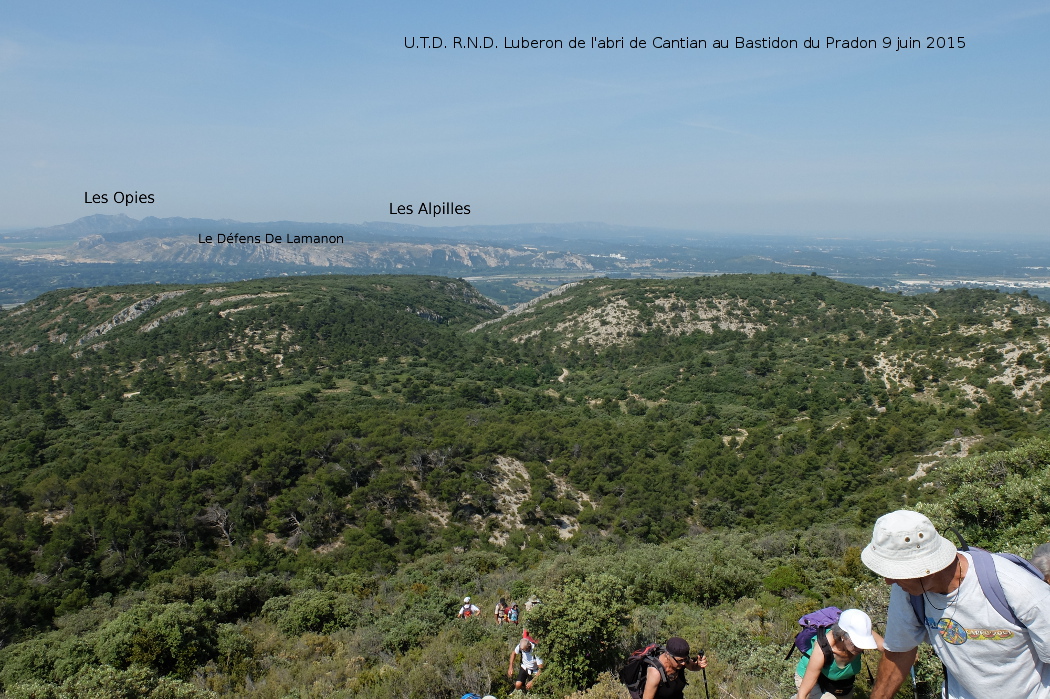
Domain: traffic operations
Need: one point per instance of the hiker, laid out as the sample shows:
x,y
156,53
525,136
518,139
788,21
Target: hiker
x,y
834,659
501,611
531,602
513,613
665,670
984,654
467,610
1041,560
531,664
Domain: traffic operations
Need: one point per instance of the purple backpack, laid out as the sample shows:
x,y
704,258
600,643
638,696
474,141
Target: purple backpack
x,y
811,624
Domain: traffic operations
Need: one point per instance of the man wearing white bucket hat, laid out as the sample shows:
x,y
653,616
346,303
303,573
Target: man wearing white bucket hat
x,y
985,655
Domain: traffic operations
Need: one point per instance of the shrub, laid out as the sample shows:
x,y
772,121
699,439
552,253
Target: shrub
x,y
236,649
608,686
243,598
107,682
168,638
29,660
998,500
49,657
311,610
704,570
418,619
785,580
578,627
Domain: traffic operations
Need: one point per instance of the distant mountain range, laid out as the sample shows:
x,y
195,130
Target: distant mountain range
x,y
369,247
509,263
113,225
104,224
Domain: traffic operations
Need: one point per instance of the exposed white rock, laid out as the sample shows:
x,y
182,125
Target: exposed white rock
x,y
129,314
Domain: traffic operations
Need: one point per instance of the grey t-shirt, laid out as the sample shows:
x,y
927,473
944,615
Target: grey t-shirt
x,y
986,655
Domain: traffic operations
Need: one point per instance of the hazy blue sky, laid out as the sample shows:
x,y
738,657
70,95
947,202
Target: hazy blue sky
x,y
316,112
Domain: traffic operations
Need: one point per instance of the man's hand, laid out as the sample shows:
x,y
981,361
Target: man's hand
x,y
700,661
893,668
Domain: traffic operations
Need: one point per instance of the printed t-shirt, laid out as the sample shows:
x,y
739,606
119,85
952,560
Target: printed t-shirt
x,y
985,655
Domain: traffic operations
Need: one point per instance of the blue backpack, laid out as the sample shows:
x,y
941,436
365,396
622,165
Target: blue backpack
x,y
984,564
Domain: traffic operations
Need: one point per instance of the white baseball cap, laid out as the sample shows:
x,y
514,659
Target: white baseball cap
x,y
905,545
858,625
466,600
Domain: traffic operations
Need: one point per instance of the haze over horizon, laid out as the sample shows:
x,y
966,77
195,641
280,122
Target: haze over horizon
x,y
102,223
262,112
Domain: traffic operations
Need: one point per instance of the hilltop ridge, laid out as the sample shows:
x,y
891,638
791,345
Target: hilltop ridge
x,y
259,461
92,319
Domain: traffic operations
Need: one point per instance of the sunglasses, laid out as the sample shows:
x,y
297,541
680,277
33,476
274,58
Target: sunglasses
x,y
680,661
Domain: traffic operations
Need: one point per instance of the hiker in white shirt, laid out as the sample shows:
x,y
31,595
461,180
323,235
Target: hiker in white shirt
x,y
531,664
984,654
468,610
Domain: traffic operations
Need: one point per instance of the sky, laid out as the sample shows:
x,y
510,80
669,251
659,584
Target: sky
x,y
261,111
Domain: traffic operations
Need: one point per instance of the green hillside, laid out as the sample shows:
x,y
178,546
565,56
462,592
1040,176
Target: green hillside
x,y
299,473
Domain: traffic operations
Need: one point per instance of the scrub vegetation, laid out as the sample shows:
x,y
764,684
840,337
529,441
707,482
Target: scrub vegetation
x,y
283,487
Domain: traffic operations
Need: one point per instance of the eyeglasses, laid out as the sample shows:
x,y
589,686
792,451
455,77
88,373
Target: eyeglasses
x,y
680,661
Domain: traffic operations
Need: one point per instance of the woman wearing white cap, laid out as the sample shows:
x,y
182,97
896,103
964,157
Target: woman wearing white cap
x,y
834,657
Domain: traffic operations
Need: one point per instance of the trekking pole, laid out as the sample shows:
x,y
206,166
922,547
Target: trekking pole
x,y
914,686
706,693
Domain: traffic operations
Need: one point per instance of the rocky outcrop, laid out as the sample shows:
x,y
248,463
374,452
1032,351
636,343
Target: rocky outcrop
x,y
523,307
155,323
128,314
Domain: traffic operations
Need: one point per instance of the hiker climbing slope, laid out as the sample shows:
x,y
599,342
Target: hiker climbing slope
x,y
659,672
990,647
468,609
531,664
830,666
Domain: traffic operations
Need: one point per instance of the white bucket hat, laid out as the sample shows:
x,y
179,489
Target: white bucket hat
x,y
904,545
858,625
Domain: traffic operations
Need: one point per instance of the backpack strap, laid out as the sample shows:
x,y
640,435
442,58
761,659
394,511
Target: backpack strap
x,y
825,647
818,636
990,585
984,566
1023,562
652,659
